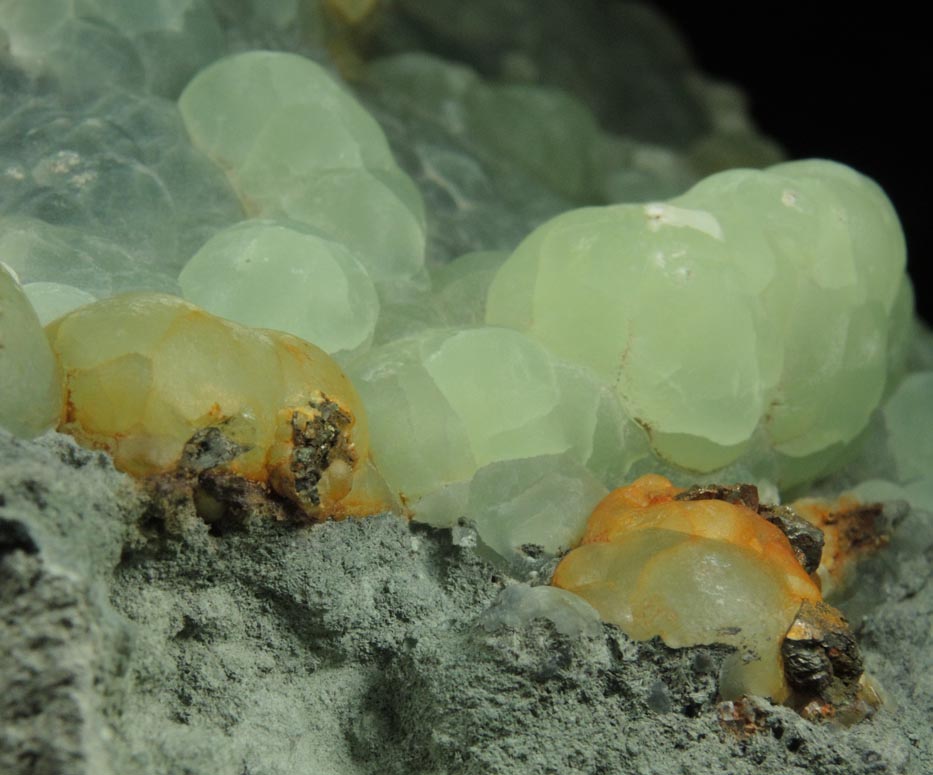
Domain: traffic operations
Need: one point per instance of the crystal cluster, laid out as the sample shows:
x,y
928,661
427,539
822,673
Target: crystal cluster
x,y
771,300
85,203
552,137
137,44
274,275
521,344
148,376
297,145
445,403
718,327
702,566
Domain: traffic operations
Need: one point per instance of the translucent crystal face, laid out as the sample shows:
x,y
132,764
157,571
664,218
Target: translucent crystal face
x,y
108,195
130,43
296,144
908,421
692,572
445,403
145,373
755,299
540,501
52,300
272,275
545,131
460,286
30,379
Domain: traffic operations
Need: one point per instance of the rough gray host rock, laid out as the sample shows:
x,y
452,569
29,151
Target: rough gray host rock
x,y
136,643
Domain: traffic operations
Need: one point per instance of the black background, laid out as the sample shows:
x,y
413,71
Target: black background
x,y
838,84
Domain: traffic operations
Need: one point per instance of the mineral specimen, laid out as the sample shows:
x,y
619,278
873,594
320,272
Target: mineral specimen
x,y
52,300
103,208
276,275
444,403
148,375
696,571
756,322
755,299
30,379
85,44
296,144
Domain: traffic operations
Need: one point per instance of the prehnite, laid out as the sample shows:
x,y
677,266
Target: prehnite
x,y
760,312
759,308
712,565
148,375
297,145
756,321
758,299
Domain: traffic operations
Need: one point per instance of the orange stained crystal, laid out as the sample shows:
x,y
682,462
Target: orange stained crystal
x,y
851,529
145,373
692,572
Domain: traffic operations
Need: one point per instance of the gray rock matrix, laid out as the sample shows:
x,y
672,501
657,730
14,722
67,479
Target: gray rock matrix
x,y
143,641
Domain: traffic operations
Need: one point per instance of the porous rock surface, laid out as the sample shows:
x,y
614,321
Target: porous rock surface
x,y
137,640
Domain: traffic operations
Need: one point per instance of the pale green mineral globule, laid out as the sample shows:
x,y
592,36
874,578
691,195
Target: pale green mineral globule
x,y
132,43
52,300
542,501
755,298
460,286
295,144
514,504
545,132
445,403
272,275
30,378
42,252
144,374
908,417
519,604
828,278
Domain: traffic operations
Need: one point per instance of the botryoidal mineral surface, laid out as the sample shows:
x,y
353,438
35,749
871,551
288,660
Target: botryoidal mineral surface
x,y
138,635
